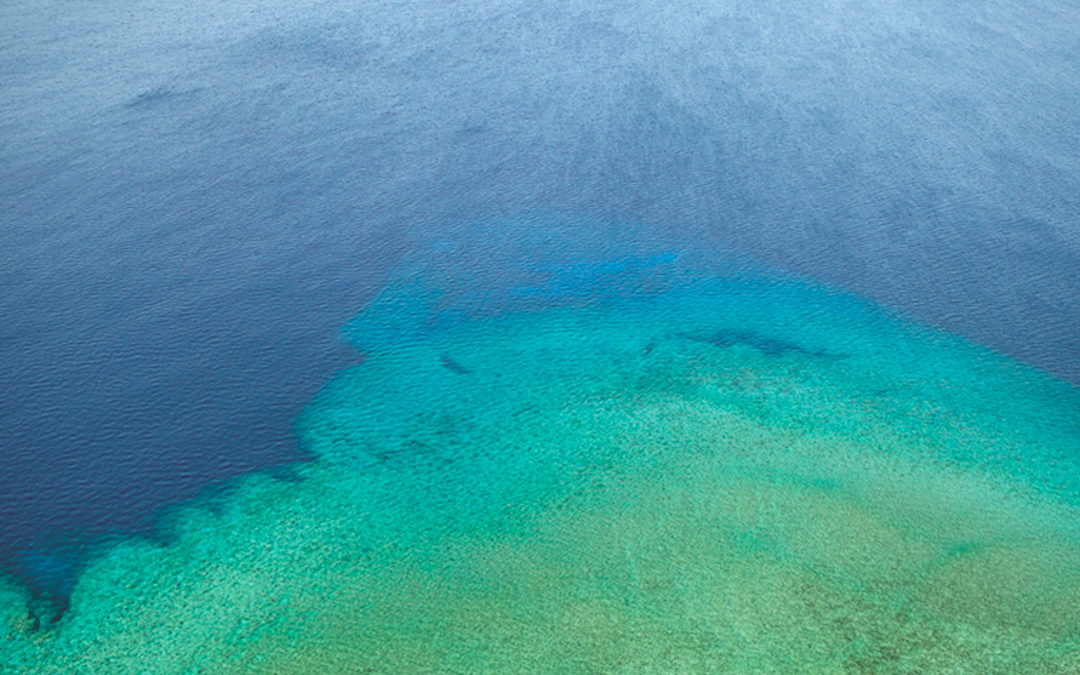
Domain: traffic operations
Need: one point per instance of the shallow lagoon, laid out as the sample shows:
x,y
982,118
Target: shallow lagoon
x,y
639,465
195,197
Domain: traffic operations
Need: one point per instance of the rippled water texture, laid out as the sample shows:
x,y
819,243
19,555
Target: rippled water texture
x,y
636,466
195,195
571,426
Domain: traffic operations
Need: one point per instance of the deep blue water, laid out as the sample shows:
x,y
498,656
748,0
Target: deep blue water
x,y
194,198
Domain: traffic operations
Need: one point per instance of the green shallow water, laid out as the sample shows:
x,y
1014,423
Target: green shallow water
x,y
711,473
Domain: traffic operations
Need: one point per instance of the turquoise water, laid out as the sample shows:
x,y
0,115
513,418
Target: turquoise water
x,y
195,197
642,464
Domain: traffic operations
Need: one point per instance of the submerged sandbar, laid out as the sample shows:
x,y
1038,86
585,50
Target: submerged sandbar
x,y
715,472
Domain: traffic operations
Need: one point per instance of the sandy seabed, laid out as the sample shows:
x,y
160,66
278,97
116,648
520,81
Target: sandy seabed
x,y
728,473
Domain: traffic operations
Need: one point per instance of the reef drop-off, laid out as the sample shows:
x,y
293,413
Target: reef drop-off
x,y
638,466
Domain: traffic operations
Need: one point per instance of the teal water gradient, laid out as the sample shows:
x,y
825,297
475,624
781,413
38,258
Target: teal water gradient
x,y
642,464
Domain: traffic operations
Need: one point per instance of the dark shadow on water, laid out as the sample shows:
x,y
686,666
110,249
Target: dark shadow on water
x,y
453,366
768,346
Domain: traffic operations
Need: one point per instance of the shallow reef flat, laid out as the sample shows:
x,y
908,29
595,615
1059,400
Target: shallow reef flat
x,y
715,472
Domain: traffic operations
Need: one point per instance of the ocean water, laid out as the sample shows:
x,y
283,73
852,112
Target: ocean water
x,y
700,336
629,465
